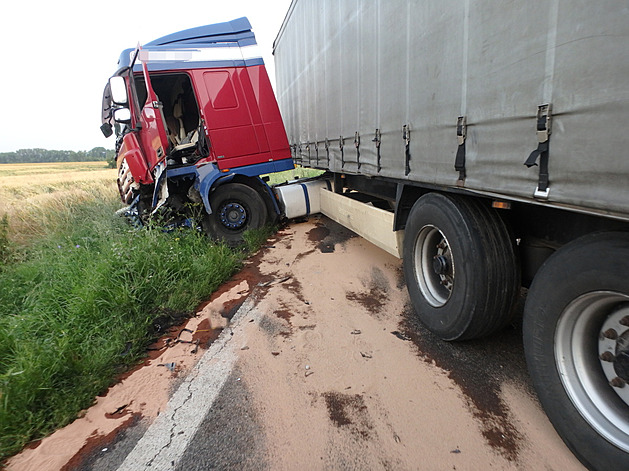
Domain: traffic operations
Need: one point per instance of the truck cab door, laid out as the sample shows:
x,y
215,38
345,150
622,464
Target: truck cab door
x,y
153,135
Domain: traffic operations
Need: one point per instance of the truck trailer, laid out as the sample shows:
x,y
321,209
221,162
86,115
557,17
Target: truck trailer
x,y
485,144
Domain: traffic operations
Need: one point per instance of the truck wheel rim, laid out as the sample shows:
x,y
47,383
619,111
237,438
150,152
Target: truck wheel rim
x,y
589,375
233,215
434,266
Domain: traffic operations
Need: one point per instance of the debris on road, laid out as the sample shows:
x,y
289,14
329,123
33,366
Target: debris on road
x,y
171,366
400,335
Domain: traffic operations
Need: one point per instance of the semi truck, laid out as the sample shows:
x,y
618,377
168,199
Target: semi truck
x,y
197,127
484,143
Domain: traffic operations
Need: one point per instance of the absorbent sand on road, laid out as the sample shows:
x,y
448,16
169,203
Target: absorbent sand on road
x,y
330,371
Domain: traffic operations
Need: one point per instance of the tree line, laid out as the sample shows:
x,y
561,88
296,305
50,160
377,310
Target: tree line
x,y
44,155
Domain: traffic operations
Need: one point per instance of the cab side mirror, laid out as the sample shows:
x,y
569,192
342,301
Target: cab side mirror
x,y
122,115
118,91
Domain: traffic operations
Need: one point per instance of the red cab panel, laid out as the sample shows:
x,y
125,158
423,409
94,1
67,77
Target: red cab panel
x,y
228,120
269,112
131,153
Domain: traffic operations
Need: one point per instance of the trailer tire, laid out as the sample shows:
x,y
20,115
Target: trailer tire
x,y
460,266
236,208
579,294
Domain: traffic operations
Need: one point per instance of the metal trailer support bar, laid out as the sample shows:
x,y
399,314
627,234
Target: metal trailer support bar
x,y
369,222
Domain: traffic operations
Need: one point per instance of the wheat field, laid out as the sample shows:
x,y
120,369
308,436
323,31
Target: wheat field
x,y
35,197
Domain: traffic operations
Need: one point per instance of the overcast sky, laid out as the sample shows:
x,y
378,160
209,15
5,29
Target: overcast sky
x,y
57,56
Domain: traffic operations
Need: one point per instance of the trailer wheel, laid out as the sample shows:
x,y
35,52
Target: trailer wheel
x,y
460,266
236,208
576,340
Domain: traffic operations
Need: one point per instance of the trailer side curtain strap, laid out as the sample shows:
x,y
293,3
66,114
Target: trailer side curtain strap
x,y
357,145
542,151
406,135
377,140
461,134
341,143
306,198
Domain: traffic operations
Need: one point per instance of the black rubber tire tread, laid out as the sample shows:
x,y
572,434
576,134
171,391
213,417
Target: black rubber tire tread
x,y
487,274
591,263
257,214
505,271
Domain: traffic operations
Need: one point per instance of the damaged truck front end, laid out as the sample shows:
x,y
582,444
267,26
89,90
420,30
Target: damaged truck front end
x,y
142,144
197,124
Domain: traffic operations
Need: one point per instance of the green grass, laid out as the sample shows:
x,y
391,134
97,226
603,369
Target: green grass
x,y
5,245
298,172
80,307
81,293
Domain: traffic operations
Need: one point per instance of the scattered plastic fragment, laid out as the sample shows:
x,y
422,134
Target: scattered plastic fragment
x,y
171,366
400,335
272,282
179,336
120,409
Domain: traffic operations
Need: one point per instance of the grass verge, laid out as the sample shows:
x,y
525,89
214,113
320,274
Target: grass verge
x,y
297,172
81,304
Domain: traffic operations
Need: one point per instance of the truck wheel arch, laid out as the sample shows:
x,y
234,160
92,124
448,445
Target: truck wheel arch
x,y
255,183
405,198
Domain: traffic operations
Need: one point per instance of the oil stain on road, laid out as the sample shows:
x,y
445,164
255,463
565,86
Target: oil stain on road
x,y
479,368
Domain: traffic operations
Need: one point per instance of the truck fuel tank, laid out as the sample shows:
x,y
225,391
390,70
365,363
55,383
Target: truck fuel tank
x,y
301,197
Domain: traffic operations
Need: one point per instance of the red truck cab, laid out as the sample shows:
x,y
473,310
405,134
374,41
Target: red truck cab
x,y
197,122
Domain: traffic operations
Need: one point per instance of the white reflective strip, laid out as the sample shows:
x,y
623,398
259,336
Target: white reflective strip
x,y
227,53
161,56
251,52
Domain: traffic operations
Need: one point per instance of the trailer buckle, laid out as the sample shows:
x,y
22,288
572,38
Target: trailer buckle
x,y
406,136
459,161
461,130
544,123
543,129
541,194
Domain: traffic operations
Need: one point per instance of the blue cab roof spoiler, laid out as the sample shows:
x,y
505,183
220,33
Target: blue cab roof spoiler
x,y
205,34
